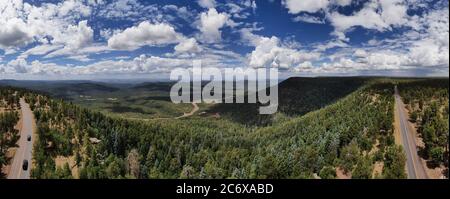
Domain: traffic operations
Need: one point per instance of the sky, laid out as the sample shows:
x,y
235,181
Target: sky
x,y
130,39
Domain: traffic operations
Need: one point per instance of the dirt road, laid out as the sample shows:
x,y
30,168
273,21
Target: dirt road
x,y
194,109
414,167
24,152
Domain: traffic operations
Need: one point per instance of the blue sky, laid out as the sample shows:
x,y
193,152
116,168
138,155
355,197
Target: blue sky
x,y
98,39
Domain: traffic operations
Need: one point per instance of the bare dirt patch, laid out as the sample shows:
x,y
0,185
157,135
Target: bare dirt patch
x,y
436,173
375,148
60,161
340,174
377,169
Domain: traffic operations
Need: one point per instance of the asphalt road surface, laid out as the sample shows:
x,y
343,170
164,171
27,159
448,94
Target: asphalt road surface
x,y
415,169
24,152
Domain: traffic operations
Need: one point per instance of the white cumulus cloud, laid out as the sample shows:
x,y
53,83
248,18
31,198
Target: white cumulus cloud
x,y
188,46
210,24
207,3
311,6
144,34
14,33
269,52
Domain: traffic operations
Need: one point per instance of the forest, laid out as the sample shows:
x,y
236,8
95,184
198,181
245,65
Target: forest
x,y
297,96
9,103
348,133
427,101
350,136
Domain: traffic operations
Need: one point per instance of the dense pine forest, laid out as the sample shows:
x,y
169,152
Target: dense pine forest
x,y
297,96
346,134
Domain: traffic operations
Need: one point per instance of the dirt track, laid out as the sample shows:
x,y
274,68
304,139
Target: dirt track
x,y
194,109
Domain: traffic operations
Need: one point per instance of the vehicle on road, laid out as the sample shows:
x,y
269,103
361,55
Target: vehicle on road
x,y
29,138
25,165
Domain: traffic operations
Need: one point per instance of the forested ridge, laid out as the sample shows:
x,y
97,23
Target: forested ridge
x,y
297,96
347,134
350,135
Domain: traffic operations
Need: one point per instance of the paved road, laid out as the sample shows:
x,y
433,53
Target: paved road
x,y
24,152
415,169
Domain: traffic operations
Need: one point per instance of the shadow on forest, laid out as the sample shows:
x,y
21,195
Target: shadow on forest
x,y
297,96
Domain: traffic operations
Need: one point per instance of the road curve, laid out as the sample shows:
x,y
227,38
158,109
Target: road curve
x,y
24,152
415,169
195,108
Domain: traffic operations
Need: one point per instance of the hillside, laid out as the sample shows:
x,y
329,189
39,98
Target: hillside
x,y
130,100
346,134
151,100
297,96
349,136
